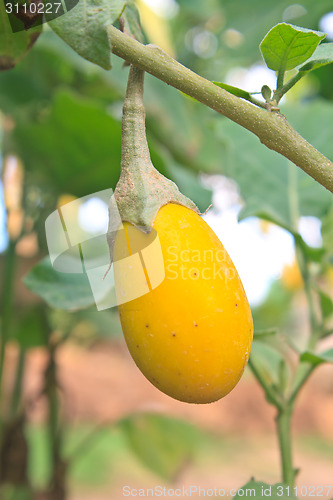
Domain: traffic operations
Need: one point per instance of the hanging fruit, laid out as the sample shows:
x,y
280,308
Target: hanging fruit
x,y
190,335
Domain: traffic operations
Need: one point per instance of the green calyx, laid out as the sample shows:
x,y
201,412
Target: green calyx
x,y
141,190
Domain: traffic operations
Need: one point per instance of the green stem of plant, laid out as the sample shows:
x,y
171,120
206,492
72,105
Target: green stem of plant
x,y
280,79
279,93
272,129
305,272
141,189
305,370
283,421
17,389
302,375
7,302
271,396
51,394
256,102
326,333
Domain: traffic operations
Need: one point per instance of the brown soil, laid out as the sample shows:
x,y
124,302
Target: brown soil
x,y
103,384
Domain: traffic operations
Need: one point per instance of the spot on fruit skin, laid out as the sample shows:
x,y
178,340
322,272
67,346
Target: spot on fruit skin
x,y
210,352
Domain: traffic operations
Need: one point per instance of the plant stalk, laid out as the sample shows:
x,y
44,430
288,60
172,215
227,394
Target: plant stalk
x,y
283,421
272,129
17,389
279,93
141,190
270,394
280,79
7,302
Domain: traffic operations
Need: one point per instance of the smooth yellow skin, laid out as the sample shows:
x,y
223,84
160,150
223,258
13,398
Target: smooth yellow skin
x,y
190,336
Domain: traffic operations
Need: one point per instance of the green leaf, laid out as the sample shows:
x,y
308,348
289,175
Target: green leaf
x,y
267,359
259,490
264,334
326,304
317,358
14,46
286,46
74,148
269,184
131,18
190,185
163,444
59,290
275,310
266,212
15,492
315,254
106,323
234,90
322,55
327,233
85,28
30,331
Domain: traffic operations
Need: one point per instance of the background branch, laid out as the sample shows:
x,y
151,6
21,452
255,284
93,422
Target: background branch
x,y
272,129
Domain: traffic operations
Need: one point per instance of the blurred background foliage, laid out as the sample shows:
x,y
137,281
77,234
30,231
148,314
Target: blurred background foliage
x,y
60,135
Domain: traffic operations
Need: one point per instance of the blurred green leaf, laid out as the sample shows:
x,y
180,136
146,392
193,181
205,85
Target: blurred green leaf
x,y
30,331
163,444
190,185
131,18
275,310
85,28
315,254
59,290
270,185
234,90
259,490
51,64
254,208
182,126
74,148
286,46
322,55
14,46
327,233
326,304
267,359
263,334
317,358
16,492
105,323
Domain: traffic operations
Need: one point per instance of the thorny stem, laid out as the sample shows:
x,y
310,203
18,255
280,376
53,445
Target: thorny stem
x,y
272,129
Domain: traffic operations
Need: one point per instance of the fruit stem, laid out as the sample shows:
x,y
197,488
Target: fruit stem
x,y
141,190
135,154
